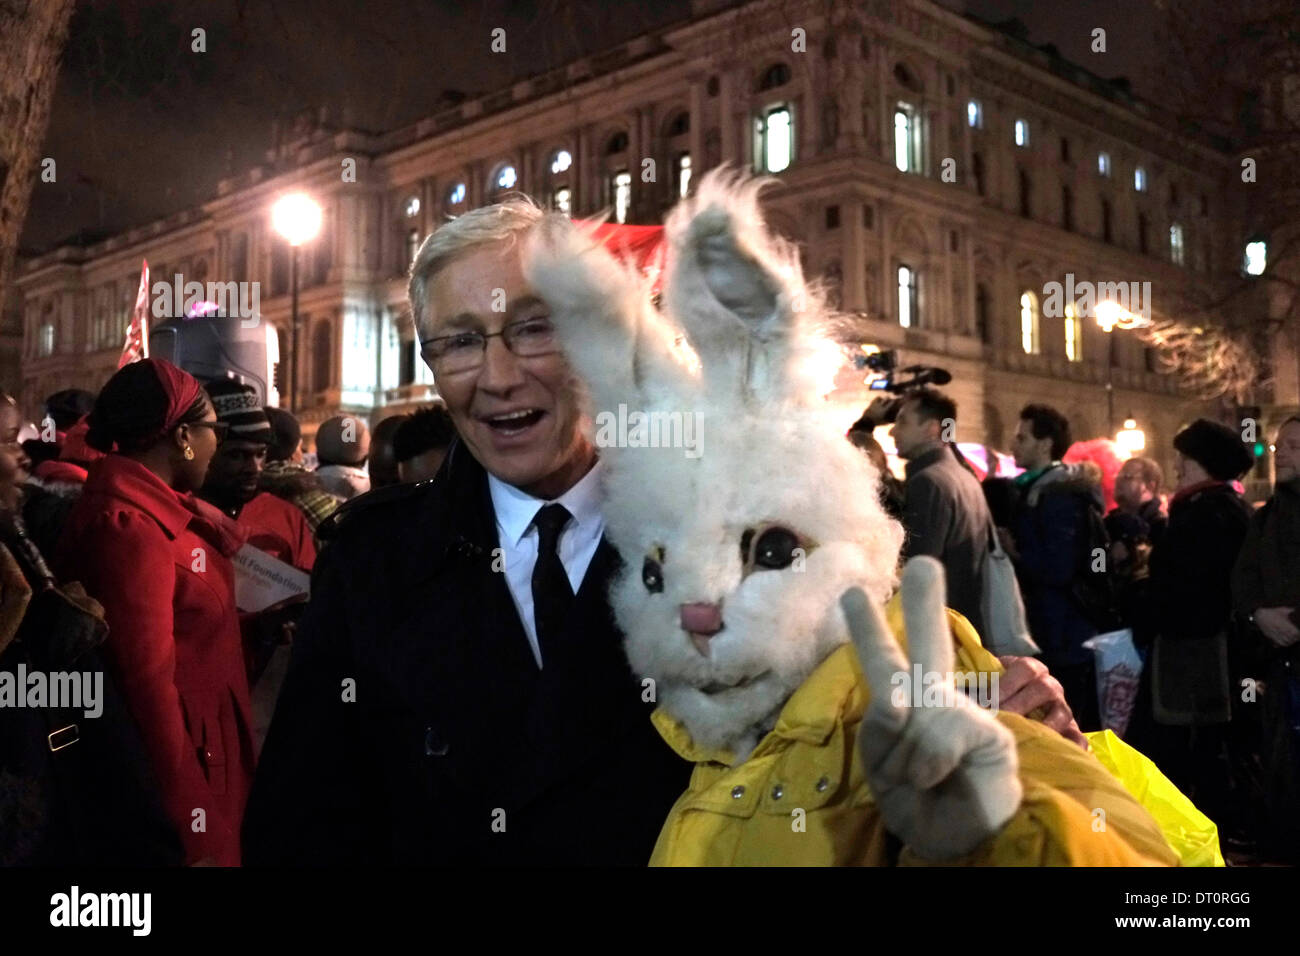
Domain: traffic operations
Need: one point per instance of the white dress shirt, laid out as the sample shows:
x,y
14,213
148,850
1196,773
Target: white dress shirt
x,y
577,545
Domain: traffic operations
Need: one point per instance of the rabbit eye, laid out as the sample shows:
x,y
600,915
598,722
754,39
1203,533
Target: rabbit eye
x,y
775,548
652,572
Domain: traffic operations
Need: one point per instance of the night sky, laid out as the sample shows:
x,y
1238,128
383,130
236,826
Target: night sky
x,y
142,127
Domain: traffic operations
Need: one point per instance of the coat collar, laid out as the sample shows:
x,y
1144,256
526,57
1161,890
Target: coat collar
x,y
924,461
120,477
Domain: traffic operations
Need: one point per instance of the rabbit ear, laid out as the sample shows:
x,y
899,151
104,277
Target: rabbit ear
x,y
614,339
739,294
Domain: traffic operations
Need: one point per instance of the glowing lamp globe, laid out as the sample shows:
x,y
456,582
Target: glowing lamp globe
x,y
296,217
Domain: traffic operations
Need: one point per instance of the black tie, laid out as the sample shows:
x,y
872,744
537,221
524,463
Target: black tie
x,y
552,593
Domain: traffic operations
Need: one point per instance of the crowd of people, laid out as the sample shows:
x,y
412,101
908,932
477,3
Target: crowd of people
x,y
457,665
1207,586
144,495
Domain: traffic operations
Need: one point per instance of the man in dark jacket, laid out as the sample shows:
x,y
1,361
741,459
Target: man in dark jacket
x,y
458,692
944,512
1186,698
1049,532
1266,595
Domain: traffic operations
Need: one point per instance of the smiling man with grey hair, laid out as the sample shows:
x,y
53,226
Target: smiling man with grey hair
x,y
458,692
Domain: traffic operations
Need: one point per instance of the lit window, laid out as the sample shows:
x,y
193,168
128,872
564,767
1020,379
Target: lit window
x,y
1022,132
506,178
1256,257
683,174
1073,334
1176,244
622,195
1140,179
906,139
1103,164
412,207
975,115
563,199
47,339
1029,323
456,195
906,297
561,161
775,133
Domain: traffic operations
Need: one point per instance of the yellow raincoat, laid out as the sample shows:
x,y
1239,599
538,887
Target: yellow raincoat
x,y
801,799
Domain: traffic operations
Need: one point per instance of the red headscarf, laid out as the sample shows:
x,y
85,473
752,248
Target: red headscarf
x,y
181,387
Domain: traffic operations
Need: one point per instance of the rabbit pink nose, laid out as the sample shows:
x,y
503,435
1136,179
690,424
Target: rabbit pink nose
x,y
702,619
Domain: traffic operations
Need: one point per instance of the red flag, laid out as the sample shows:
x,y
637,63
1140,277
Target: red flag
x,y
136,345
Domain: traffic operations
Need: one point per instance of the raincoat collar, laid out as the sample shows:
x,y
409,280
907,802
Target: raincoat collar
x,y
834,694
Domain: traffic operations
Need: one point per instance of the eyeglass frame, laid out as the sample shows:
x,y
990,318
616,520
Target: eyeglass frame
x,y
484,336
220,429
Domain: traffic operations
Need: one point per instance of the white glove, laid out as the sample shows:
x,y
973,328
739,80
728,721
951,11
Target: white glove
x,y
944,777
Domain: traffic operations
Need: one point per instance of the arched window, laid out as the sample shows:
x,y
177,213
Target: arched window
x,y
561,160
558,188
1073,333
1176,252
456,196
1029,340
504,177
774,77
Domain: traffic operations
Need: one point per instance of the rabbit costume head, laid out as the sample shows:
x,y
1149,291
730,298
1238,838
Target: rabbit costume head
x,y
740,511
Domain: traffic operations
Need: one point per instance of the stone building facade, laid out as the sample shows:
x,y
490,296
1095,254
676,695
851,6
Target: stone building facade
x,y
937,172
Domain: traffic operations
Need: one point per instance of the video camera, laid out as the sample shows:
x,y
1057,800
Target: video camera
x,y
885,364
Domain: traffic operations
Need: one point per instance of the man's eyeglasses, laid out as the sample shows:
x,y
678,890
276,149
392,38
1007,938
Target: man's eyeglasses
x,y
464,351
219,429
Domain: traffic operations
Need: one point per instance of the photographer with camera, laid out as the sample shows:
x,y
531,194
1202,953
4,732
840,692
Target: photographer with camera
x,y
944,512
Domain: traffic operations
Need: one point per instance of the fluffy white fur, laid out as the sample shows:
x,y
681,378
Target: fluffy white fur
x,y
740,340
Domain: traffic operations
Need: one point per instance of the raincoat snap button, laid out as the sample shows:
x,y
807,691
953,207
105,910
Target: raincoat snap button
x,y
737,792
777,792
822,784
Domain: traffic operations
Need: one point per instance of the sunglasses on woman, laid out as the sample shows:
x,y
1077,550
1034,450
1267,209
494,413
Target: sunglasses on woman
x,y
219,429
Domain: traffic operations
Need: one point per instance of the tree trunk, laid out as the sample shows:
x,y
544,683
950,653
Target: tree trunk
x,y
32,34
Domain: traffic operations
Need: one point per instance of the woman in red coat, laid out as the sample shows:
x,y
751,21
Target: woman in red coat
x,y
158,559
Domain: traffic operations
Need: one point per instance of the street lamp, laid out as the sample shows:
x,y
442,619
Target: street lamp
x,y
297,218
1130,438
1109,315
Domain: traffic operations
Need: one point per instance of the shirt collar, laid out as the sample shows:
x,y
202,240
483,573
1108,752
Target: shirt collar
x,y
515,509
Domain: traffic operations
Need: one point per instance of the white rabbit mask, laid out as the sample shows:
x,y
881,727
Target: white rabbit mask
x,y
737,550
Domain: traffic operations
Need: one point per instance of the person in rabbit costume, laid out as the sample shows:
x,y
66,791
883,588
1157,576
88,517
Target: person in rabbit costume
x,y
757,593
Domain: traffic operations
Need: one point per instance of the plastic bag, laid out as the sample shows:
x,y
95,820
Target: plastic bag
x,y
1191,834
1119,667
